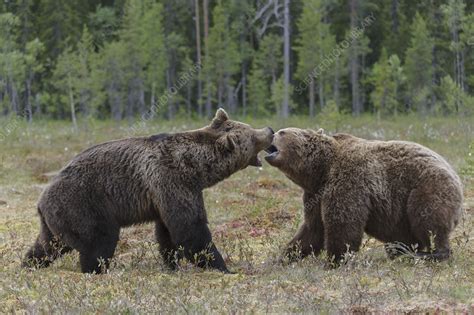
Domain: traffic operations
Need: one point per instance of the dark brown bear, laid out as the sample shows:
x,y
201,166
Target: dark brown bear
x,y
137,180
396,191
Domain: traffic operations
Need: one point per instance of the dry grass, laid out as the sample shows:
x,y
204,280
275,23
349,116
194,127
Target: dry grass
x,y
252,215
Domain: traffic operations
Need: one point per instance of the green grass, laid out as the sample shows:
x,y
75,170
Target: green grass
x,y
252,215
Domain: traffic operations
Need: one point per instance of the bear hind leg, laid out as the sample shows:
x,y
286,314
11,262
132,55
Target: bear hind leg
x,y
430,220
46,248
168,249
438,248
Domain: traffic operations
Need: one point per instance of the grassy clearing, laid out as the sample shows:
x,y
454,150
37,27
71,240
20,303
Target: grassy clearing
x,y
252,215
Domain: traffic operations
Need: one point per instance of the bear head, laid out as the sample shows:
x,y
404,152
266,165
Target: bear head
x,y
240,139
303,155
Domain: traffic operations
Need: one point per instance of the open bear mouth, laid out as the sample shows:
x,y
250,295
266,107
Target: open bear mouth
x,y
272,153
271,149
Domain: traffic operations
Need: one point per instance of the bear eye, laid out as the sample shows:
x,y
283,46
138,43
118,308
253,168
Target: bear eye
x,y
228,129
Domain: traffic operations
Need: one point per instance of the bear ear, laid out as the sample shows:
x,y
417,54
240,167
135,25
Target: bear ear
x,y
320,131
219,118
226,142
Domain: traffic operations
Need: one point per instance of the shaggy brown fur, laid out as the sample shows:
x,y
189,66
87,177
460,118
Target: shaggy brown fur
x,y
136,180
396,191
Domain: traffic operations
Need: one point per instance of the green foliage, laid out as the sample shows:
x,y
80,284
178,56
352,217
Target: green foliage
x,y
469,168
277,95
259,93
454,18
418,64
387,77
453,99
315,43
332,116
129,53
223,60
104,25
154,49
467,38
266,68
17,65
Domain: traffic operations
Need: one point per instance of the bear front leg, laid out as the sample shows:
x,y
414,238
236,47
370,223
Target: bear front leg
x,y
310,237
341,238
345,212
184,216
196,243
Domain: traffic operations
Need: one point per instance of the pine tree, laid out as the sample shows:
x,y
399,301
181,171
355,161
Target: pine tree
x,y
11,64
66,76
467,38
386,78
453,100
259,93
223,60
85,57
103,25
418,63
269,57
33,67
155,52
265,71
454,18
132,38
313,45
110,73
60,24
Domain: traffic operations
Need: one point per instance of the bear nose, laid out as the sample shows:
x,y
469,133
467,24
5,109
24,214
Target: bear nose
x,y
271,130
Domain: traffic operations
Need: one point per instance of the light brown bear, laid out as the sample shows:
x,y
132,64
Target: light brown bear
x,y
157,179
396,191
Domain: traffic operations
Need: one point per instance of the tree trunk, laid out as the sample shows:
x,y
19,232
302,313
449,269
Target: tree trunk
x,y
230,94
206,51
321,92
71,102
463,73
354,62
361,78
12,93
285,110
394,16
170,101
438,19
337,84
198,55
29,110
188,101
141,97
244,88
115,102
152,101
130,102
219,95
311,98
37,105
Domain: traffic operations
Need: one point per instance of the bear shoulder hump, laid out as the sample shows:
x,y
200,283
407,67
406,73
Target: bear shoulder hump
x,y
159,137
